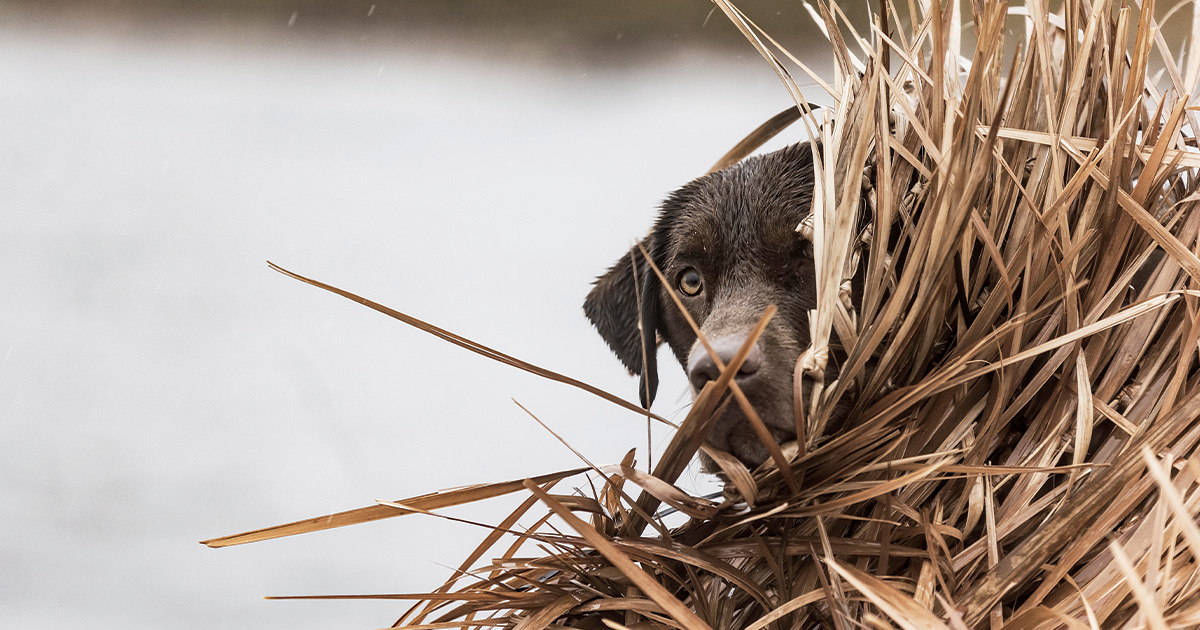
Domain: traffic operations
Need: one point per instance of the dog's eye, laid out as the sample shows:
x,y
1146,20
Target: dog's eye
x,y
690,282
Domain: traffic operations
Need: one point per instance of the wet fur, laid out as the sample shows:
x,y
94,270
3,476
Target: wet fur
x,y
737,227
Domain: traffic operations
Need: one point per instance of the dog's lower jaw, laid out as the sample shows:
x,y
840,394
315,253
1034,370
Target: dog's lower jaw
x,y
748,449
734,434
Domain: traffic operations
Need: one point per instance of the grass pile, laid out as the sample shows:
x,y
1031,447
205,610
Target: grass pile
x,y
1024,449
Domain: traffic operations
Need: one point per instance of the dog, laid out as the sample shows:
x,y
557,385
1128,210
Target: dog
x,y
728,244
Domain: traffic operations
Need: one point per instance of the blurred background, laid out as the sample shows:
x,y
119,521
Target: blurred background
x,y
473,163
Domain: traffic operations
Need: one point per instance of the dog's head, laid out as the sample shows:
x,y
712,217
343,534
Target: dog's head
x,y
727,244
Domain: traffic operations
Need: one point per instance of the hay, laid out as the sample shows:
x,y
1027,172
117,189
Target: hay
x,y
1024,448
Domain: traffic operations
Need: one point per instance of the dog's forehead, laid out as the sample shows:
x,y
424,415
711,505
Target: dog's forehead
x,y
751,207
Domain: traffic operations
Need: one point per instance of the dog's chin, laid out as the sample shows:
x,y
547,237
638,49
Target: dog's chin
x,y
735,435
748,448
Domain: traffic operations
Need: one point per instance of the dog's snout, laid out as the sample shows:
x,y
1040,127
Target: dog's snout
x,y
702,368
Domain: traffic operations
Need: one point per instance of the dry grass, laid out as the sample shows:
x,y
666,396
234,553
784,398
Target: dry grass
x,y
1025,444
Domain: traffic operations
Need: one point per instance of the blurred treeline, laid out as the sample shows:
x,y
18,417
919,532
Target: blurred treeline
x,y
620,30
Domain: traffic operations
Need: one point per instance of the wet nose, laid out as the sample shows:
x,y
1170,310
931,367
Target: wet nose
x,y
702,368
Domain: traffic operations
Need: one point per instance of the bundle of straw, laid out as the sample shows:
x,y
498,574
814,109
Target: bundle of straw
x,y
1024,450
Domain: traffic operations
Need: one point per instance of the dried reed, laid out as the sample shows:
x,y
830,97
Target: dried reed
x,y
1024,448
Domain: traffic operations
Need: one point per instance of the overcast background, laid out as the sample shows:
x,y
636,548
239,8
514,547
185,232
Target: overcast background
x,y
475,164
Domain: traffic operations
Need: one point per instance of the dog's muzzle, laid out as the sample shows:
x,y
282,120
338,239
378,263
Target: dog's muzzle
x,y
702,368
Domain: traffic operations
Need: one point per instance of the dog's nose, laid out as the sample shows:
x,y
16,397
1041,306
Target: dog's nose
x,y
702,368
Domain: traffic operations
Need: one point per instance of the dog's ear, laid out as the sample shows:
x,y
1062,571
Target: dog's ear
x,y
623,305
